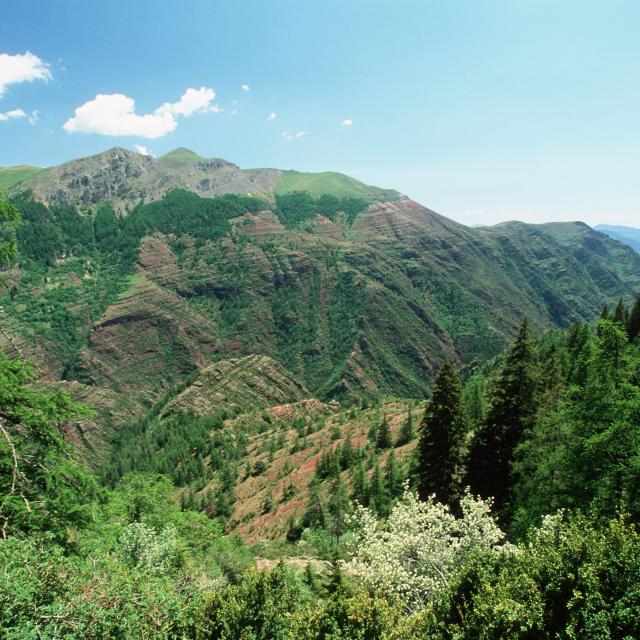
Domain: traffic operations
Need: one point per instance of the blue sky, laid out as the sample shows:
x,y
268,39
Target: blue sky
x,y
481,110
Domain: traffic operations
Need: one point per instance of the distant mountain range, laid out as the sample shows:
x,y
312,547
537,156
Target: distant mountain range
x,y
627,235
139,274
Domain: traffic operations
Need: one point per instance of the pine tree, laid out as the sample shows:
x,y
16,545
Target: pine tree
x,y
311,579
384,435
315,515
346,454
378,494
360,492
338,508
474,398
620,314
512,406
407,433
633,325
442,436
393,476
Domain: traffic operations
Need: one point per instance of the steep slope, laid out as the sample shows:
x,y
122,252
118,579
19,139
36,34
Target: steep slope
x,y
353,303
626,235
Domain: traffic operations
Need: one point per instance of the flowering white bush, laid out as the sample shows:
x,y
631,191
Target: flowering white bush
x,y
142,546
417,550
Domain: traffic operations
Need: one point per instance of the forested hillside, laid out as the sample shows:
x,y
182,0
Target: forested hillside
x,y
270,405
126,289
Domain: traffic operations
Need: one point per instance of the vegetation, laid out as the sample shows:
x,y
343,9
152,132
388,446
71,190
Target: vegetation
x,y
503,505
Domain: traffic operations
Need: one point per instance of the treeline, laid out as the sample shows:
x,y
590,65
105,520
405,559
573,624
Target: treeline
x,y
50,232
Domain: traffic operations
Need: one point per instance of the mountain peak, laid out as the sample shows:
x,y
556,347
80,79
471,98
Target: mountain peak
x,y
179,157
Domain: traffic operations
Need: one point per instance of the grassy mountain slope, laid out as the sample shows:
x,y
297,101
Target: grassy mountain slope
x,y
10,176
336,184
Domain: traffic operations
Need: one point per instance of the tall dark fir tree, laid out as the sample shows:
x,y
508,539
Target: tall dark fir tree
x,y
443,432
512,408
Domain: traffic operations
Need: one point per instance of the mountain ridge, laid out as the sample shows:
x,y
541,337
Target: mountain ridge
x,y
123,309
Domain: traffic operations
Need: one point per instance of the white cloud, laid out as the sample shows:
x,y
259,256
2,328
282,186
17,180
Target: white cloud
x,y
192,101
23,67
294,136
347,123
272,116
234,112
142,150
114,115
34,117
14,113
246,88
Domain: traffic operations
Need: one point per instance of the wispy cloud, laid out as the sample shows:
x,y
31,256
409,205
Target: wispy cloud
x,y
114,115
245,87
294,136
22,67
347,122
272,116
34,117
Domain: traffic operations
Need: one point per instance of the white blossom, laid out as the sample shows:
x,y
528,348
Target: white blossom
x,y
415,553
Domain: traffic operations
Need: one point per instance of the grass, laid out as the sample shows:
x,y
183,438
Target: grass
x,y
178,158
10,176
329,182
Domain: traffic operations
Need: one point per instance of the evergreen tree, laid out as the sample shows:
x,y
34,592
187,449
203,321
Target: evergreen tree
x,y
338,509
311,579
620,314
407,433
360,492
633,325
383,440
442,437
474,398
393,476
378,494
315,515
512,407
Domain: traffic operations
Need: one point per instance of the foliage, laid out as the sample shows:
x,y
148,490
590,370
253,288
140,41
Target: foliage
x,y
42,488
420,546
570,580
443,432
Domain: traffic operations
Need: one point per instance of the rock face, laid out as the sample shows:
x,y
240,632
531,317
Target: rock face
x,y
125,179
329,309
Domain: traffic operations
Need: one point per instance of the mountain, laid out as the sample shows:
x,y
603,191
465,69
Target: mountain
x,y
627,235
126,179
138,275
10,176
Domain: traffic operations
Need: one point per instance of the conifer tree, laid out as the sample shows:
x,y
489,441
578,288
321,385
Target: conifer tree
x,y
384,435
620,314
474,398
378,494
407,433
360,492
633,325
311,579
338,508
512,406
393,476
315,515
442,436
